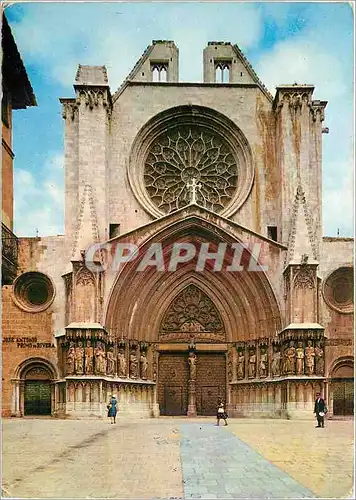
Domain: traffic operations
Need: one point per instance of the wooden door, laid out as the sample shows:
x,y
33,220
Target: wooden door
x,y
210,382
173,383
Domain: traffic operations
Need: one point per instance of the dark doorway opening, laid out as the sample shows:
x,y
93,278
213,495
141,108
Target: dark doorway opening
x,y
37,397
343,397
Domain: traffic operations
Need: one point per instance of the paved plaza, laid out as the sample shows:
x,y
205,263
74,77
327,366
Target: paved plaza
x,y
176,458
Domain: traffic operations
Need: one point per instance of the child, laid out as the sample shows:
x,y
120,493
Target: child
x,y
221,413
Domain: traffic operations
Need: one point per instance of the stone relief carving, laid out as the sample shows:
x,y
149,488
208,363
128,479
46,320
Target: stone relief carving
x,y
289,359
319,359
263,363
182,154
110,361
192,311
133,365
305,278
241,364
143,365
252,364
89,358
93,97
192,361
309,358
300,359
276,362
84,277
122,364
100,359
79,359
71,359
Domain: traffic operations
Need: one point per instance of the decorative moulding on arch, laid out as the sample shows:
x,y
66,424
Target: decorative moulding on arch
x,y
33,291
186,143
337,289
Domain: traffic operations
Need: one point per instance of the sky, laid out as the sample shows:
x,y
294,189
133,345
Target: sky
x,y
285,43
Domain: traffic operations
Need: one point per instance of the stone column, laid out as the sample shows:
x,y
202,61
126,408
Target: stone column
x,y
192,408
278,394
15,407
21,398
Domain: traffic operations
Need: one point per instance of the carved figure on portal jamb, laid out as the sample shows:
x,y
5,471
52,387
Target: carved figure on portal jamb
x,y
133,364
300,359
71,359
276,361
110,362
143,365
252,363
100,359
122,364
263,363
289,359
319,359
309,358
240,363
192,361
79,359
88,351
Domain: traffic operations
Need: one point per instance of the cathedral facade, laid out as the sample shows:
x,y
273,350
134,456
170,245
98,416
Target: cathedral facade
x,y
193,265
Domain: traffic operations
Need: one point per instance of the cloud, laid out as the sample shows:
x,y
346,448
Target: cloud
x,y
39,200
116,35
338,203
307,58
287,43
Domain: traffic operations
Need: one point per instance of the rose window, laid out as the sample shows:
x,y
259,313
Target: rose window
x,y
190,164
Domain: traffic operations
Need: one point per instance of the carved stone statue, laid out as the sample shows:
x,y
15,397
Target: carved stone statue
x,y
309,358
263,362
71,359
110,362
133,365
276,362
143,365
252,364
88,358
300,359
79,359
319,359
192,361
122,365
289,359
100,359
241,365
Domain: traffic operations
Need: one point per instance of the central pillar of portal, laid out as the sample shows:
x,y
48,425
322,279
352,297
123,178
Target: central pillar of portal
x,y
192,404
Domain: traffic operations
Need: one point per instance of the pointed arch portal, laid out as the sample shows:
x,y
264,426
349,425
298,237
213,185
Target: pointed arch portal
x,y
172,309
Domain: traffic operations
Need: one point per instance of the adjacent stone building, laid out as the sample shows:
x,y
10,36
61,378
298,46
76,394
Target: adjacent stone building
x,y
193,265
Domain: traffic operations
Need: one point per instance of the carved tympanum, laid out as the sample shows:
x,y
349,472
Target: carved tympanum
x,y
192,311
182,154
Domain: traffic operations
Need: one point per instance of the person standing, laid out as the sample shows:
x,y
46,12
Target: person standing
x,y
112,409
320,409
221,413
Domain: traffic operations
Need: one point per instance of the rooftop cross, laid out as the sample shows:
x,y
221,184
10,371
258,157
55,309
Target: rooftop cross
x,y
194,186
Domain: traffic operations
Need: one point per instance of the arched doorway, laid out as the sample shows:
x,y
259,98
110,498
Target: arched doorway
x,y
342,383
34,389
192,315
211,309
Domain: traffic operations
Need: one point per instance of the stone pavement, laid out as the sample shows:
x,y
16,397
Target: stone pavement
x,y
218,465
178,457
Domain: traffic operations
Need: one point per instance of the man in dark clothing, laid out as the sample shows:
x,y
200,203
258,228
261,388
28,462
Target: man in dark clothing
x,y
320,409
